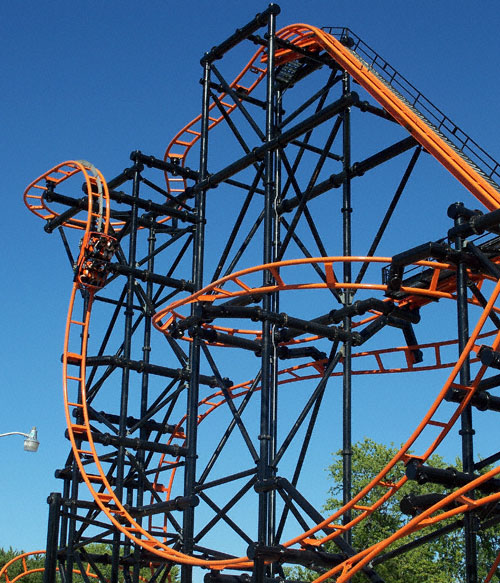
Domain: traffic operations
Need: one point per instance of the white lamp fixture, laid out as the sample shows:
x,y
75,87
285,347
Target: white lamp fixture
x,y
31,442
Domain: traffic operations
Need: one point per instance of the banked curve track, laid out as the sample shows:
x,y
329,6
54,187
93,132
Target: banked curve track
x,y
97,251
22,566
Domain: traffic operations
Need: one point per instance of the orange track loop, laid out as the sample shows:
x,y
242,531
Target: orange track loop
x,y
290,375
310,37
209,404
34,193
116,512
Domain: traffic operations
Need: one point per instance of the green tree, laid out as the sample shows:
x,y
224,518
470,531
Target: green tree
x,y
96,549
438,561
34,562
102,556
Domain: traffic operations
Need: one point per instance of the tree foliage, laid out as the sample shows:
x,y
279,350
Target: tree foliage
x,y
32,563
37,562
438,561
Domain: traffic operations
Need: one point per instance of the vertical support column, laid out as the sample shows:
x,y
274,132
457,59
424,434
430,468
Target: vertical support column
x,y
127,349
194,349
49,573
75,477
146,354
347,349
275,307
63,535
267,420
458,212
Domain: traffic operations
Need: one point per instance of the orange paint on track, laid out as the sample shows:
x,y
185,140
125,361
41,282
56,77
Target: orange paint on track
x,y
310,38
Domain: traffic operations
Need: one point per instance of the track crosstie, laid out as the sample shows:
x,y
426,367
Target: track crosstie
x,y
169,457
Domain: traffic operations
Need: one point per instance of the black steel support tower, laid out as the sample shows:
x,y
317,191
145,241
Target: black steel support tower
x,y
229,347
460,216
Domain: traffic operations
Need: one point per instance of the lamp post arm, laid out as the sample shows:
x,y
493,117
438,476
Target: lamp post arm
x,y
31,442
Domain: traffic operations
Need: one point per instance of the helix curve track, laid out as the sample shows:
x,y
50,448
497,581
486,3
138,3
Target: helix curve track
x,y
140,485
24,564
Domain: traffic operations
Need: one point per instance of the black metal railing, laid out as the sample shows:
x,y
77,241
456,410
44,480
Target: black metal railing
x,y
487,166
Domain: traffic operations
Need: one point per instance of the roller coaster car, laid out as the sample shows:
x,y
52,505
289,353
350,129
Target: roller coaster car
x,y
97,251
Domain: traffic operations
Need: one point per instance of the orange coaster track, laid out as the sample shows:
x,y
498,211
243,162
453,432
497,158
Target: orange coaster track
x,y
22,567
124,459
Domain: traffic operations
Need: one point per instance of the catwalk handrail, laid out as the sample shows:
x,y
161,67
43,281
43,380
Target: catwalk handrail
x,y
416,99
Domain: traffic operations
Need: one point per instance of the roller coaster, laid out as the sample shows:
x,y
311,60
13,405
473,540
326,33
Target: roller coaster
x,y
195,275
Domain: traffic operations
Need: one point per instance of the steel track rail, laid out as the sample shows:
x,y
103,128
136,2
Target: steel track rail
x,y
305,38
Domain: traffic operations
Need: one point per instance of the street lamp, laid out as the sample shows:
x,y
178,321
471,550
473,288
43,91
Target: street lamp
x,y
31,442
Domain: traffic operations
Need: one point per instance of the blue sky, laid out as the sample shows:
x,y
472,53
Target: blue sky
x,y
95,80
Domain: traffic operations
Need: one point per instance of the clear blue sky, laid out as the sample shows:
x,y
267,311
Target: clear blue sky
x,y
95,80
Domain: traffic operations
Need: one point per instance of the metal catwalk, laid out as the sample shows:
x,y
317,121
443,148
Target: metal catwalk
x,y
227,299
